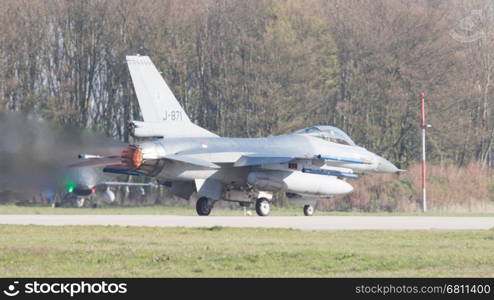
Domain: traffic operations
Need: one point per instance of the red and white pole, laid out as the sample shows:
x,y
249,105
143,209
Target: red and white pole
x,y
423,125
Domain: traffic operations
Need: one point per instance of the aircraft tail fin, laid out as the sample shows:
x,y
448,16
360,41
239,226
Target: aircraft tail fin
x,y
157,102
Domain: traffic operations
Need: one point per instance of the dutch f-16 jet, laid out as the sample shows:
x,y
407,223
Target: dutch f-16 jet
x,y
190,159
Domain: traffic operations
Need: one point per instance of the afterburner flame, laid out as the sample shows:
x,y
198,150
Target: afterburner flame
x,y
131,157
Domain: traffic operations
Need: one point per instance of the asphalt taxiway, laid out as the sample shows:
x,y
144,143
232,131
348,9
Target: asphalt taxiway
x,y
295,222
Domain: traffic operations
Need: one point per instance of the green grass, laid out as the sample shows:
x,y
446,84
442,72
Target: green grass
x,y
234,210
108,251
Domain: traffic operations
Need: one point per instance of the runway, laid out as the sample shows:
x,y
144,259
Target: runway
x,y
317,223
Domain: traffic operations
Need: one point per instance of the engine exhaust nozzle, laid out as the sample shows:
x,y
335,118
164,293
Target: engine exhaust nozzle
x,y
131,157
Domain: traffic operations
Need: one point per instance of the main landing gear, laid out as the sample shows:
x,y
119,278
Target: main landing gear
x,y
204,206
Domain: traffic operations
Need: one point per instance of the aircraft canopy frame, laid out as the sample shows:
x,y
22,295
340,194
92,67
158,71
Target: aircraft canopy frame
x,y
328,133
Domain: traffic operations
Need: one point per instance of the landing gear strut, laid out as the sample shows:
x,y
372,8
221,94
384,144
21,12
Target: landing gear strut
x,y
262,207
308,210
204,206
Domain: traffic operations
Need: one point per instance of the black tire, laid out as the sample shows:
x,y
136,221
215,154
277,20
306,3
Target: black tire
x,y
262,207
308,210
203,206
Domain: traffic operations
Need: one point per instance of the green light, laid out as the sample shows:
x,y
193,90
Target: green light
x,y
70,188
69,185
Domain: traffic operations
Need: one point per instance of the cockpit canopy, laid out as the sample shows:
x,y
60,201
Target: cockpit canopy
x,y
328,133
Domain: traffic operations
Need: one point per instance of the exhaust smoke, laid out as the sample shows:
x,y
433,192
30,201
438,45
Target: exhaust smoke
x,y
34,153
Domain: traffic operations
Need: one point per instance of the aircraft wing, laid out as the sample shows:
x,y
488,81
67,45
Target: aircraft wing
x,y
247,160
257,159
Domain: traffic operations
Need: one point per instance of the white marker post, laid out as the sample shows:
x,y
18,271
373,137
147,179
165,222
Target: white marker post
x,y
423,125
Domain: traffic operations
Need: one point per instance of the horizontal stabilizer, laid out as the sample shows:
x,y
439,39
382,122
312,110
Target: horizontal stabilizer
x,y
96,162
117,169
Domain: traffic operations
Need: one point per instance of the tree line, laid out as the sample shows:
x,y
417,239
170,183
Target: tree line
x,y
263,67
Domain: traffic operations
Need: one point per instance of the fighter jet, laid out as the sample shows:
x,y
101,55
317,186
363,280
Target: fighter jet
x,y
190,159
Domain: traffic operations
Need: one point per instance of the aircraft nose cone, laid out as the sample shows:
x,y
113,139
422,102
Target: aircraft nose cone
x,y
385,166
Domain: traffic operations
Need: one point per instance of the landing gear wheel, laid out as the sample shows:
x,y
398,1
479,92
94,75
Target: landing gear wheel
x,y
262,207
204,206
308,210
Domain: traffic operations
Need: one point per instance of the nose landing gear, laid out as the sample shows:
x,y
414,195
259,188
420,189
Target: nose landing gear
x,y
308,210
263,207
